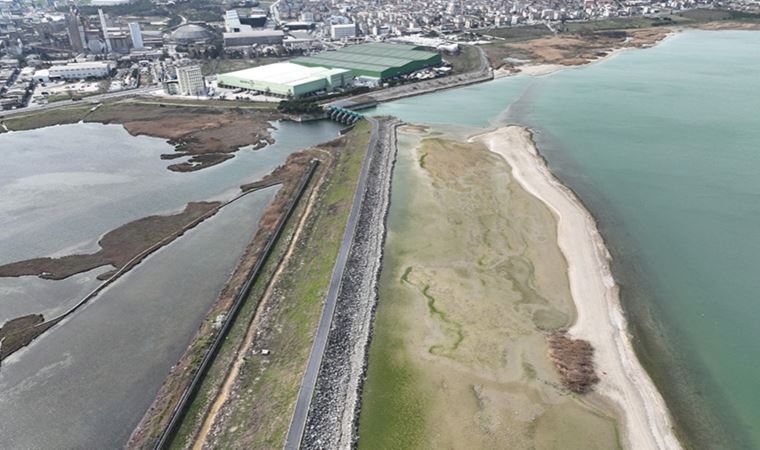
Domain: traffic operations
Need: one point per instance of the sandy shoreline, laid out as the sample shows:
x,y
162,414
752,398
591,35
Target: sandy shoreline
x,y
644,416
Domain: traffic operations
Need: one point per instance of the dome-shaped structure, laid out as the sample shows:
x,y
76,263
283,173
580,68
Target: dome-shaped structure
x,y
191,33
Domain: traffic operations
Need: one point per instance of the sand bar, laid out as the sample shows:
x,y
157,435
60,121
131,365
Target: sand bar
x,y
644,417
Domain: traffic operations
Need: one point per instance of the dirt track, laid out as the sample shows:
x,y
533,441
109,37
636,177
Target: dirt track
x,y
157,415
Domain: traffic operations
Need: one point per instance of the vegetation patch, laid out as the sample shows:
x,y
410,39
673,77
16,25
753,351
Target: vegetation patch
x,y
455,328
19,332
117,247
574,359
466,61
207,134
46,118
469,254
519,33
313,105
422,160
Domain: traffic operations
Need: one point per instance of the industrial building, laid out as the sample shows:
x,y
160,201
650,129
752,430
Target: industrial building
x,y
239,32
287,79
235,23
192,34
377,60
253,37
75,30
134,31
78,71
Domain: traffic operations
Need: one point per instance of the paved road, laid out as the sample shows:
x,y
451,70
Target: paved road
x,y
298,422
92,99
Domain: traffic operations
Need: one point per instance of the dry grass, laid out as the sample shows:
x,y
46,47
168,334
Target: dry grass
x,y
117,247
207,135
572,49
574,359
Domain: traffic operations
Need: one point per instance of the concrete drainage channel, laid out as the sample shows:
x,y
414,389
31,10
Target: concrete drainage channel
x,y
178,413
332,419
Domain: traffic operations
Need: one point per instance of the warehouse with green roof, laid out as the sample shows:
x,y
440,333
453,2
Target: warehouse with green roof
x,y
377,59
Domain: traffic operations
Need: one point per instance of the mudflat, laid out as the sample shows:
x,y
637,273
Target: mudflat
x,y
473,285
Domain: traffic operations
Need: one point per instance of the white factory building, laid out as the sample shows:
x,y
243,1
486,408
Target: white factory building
x,y
190,80
346,30
253,37
287,79
75,71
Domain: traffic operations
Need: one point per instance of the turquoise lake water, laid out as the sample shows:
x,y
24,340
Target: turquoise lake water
x,y
663,145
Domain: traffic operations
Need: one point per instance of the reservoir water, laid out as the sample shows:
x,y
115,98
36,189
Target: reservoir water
x,y
87,382
663,145
63,187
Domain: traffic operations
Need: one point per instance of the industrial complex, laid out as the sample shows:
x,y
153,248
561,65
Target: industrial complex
x,y
287,79
328,71
377,59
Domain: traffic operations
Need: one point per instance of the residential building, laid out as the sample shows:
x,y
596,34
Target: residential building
x,y
190,80
342,31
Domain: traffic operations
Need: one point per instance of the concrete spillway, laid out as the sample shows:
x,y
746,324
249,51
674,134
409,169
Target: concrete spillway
x,y
342,115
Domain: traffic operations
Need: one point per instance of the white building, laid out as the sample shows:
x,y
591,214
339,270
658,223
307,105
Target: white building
x,y
82,70
42,76
287,79
110,2
191,81
343,31
232,23
263,37
134,31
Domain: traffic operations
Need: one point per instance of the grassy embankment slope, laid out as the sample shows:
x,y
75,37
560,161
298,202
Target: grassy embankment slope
x,y
46,118
467,60
31,119
472,283
265,391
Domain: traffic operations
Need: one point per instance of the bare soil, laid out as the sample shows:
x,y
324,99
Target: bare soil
x,y
729,26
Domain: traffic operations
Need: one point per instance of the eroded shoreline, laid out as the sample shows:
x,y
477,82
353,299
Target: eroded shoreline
x,y
600,319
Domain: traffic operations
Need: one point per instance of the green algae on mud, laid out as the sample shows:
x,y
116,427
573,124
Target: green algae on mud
x,y
472,282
